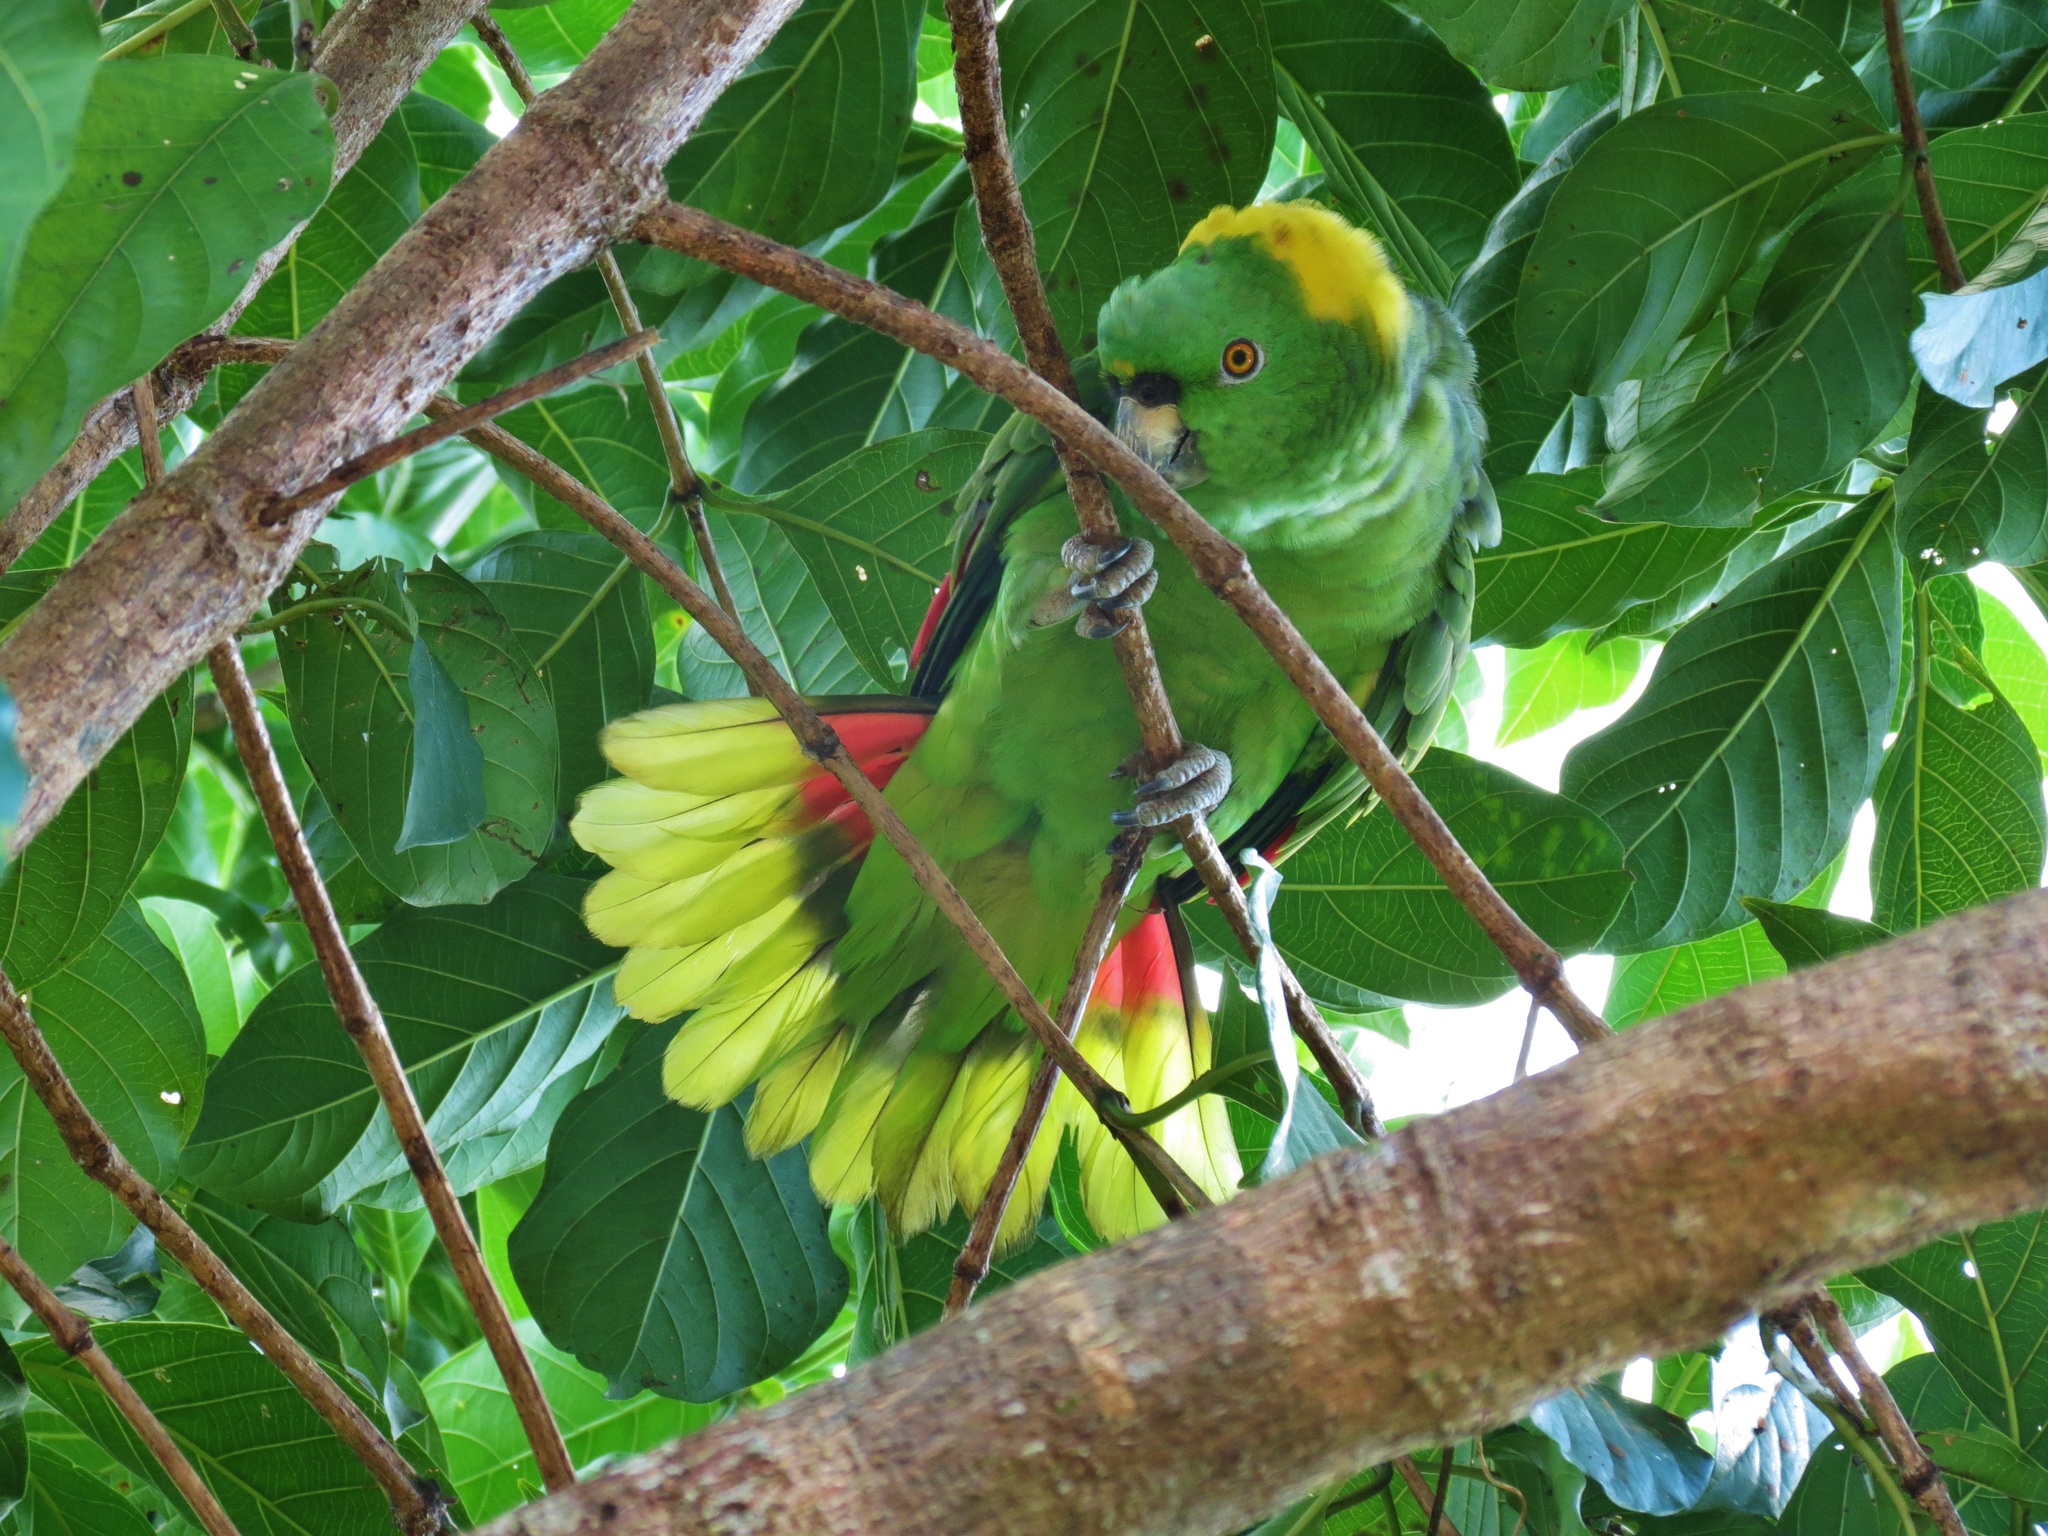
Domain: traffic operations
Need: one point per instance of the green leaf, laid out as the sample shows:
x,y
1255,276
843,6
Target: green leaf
x,y
876,531
1683,1384
119,1286
1524,47
1991,1457
1982,1296
396,1244
1966,60
1658,219
444,800
14,1455
903,1286
187,170
48,50
1967,496
1991,178
1555,681
783,610
488,1456
487,1007
1661,981
91,510
605,436
1765,1434
268,1457
1750,45
580,614
1935,1404
61,1498
1125,132
1408,138
192,933
1559,567
1643,1457
1960,816
1822,370
2016,665
552,39
352,713
122,1023
445,143
1364,920
1805,936
663,1256
1737,771
807,138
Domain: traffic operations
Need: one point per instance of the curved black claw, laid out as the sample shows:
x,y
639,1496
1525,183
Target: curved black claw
x,y
1111,579
1194,784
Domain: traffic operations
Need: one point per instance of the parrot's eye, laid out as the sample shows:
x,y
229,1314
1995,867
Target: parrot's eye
x,y
1242,359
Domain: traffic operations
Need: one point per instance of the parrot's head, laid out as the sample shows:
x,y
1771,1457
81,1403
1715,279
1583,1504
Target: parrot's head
x,y
1251,357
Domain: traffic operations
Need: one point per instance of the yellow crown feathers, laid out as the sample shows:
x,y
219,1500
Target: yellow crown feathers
x,y
1341,270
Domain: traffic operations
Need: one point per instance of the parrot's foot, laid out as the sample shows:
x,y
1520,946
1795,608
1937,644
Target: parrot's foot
x,y
1112,579
1194,784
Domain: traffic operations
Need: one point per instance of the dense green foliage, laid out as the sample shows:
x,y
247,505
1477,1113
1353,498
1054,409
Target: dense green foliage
x,y
1680,238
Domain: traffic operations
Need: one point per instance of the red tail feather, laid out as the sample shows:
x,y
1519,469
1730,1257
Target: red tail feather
x,y
880,742
932,615
1141,966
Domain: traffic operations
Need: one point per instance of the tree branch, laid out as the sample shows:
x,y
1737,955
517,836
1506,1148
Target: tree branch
x,y
71,1333
185,565
1637,1199
1220,564
1914,132
360,1016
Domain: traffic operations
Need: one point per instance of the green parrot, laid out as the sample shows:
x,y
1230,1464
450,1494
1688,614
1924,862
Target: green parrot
x,y
1314,411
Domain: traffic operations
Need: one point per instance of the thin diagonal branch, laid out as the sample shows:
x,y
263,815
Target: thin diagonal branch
x,y
1220,564
971,1268
821,743
359,1014
72,1334
1914,132
1419,1487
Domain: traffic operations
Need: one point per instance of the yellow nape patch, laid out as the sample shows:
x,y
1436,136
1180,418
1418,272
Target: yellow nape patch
x,y
1342,271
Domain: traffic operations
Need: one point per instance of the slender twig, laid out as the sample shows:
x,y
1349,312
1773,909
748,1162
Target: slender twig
x,y
1914,132
1918,1474
1853,1431
72,1334
1218,563
168,22
240,38
1443,1489
1528,1040
971,1268
685,487
359,1015
149,433
389,617
416,1505
364,465
1419,1487
821,744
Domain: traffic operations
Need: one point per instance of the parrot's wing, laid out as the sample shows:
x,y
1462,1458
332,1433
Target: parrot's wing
x,y
1020,469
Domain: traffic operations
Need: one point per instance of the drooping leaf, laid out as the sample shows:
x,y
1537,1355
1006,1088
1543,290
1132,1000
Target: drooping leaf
x,y
875,531
663,1256
1128,122
48,49
192,933
1643,1457
488,1455
487,1007
1736,772
1559,678
784,612
1971,343
1765,1435
1559,568
1750,45
1805,936
187,169
119,1286
1364,920
1661,215
1525,47
1965,60
1661,981
444,796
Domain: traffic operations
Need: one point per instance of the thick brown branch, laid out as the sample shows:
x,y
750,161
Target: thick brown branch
x,y
374,53
1220,564
70,1333
971,1268
1638,1199
185,565
1914,132
360,1016
86,1140
821,743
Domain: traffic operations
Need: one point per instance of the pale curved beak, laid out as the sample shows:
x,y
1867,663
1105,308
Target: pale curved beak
x,y
1158,436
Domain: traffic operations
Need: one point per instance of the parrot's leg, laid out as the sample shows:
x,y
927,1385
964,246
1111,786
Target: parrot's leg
x,y
1194,783
1111,578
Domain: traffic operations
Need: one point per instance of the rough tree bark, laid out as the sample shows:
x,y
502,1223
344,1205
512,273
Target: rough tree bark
x,y
186,563
1640,1198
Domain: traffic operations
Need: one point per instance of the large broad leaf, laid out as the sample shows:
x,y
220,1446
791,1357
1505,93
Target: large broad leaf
x,y
1991,178
1764,1439
1835,1498
187,169
1737,771
64,1499
901,1287
1751,45
488,1454
1661,215
48,49
1960,818
1128,122
1987,1470
487,1006
1969,496
1520,412
1805,936
1561,677
1661,981
1409,140
661,1255
552,39
1822,370
1363,918
353,715
784,614
1966,60
1643,1457
445,143
268,1457
2016,663
1559,567
876,531
580,613
1527,47
604,435
123,1025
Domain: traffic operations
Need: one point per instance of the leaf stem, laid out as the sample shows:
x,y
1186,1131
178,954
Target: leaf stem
x,y
2026,87
1914,133
240,38
376,610
168,22
1208,1082
1663,52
